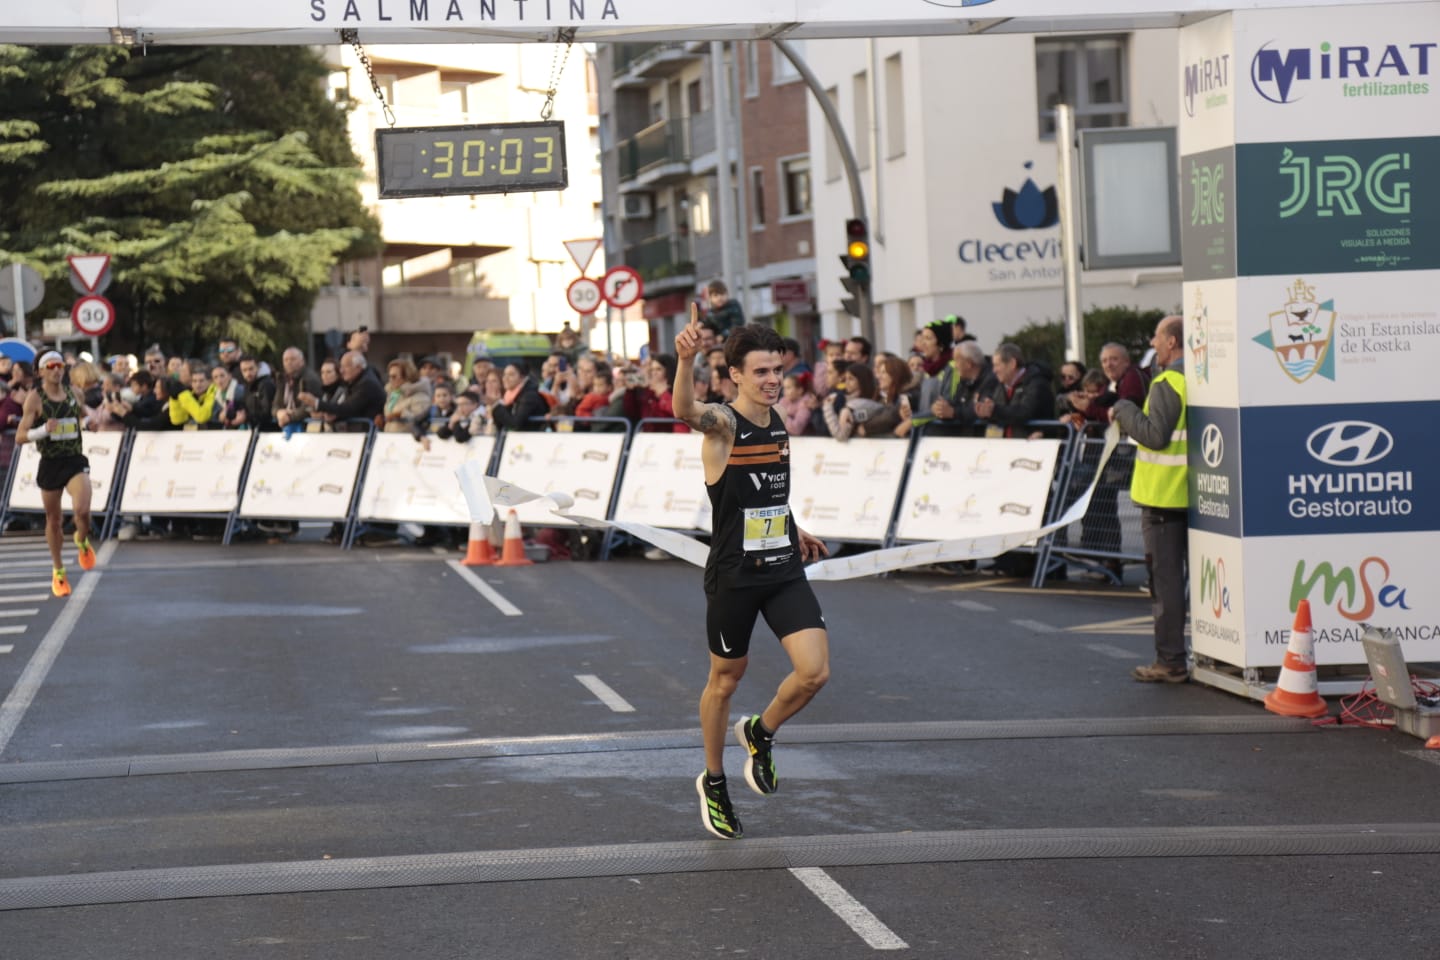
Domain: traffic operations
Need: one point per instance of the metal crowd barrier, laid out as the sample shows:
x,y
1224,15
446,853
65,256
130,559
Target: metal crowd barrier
x,y
879,490
1109,536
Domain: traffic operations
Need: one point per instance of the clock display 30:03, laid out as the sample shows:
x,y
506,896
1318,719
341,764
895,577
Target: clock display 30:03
x,y
482,158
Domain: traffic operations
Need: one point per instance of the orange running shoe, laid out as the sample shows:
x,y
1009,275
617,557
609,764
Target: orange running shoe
x,y
59,585
86,555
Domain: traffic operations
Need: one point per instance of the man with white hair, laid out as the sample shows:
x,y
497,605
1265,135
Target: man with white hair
x,y
51,420
295,379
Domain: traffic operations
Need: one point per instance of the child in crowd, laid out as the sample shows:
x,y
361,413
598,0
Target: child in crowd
x,y
791,405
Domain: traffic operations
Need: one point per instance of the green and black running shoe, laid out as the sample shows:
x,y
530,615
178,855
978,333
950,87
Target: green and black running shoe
x,y
759,764
715,810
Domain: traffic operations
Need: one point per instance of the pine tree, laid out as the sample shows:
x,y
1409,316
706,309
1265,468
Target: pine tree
x,y
220,180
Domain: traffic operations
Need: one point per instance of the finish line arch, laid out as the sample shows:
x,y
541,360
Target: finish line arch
x,y
185,22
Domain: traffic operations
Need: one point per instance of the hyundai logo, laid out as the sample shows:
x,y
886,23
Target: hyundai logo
x,y
1212,446
1350,443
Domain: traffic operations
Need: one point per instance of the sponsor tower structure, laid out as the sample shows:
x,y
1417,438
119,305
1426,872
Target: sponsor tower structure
x,y
1310,216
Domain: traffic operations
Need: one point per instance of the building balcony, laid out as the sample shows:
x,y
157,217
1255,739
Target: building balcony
x,y
658,155
637,64
665,262
430,310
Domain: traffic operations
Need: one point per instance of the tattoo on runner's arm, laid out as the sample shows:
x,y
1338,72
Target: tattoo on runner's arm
x,y
714,418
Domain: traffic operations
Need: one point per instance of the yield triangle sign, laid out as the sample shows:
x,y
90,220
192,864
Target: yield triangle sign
x,y
89,268
582,251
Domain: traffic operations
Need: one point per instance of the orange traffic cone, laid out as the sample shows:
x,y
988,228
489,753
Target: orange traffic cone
x,y
478,552
512,554
1296,693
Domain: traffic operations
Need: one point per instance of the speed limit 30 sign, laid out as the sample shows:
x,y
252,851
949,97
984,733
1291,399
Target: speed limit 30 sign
x,y
583,295
93,316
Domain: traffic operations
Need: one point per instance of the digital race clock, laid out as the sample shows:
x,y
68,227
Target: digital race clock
x,y
488,158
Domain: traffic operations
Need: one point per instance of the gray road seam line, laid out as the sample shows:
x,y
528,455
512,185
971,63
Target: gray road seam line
x,y
12,711
709,856
41,771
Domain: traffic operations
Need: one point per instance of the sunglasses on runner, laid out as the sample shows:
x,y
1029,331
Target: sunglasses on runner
x,y
54,366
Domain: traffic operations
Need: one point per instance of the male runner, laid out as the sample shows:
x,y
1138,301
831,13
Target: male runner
x,y
756,563
52,418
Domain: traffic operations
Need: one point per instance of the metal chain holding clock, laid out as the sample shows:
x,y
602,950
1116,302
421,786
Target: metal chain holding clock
x,y
352,37
557,67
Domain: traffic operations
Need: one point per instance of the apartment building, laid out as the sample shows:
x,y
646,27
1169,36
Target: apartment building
x,y
458,264
698,156
955,140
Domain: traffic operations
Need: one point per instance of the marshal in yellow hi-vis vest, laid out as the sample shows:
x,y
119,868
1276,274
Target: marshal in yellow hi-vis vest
x,y
1160,475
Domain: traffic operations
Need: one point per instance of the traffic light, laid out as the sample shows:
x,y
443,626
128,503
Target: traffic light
x,y
857,251
856,259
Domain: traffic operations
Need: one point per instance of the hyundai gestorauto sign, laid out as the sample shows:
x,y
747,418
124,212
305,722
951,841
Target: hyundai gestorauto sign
x,y
472,21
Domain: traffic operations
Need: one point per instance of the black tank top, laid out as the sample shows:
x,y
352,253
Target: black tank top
x,y
67,412
754,542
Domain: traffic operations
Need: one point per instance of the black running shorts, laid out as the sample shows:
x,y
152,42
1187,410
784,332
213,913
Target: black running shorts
x,y
56,472
788,607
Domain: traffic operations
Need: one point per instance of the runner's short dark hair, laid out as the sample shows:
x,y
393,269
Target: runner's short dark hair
x,y
749,338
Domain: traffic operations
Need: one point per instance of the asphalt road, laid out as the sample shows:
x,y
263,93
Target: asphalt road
x,y
287,752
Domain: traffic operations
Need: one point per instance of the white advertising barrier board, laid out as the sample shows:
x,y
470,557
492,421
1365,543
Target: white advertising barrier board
x,y
970,487
581,465
408,482
845,491
664,483
309,476
103,452
185,471
485,494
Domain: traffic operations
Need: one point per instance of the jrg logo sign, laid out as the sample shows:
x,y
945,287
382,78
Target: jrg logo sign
x,y
1209,205
1337,179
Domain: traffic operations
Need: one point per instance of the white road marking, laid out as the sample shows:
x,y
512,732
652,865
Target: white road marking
x,y
14,574
974,605
1429,756
27,585
485,590
1035,625
8,648
27,612
11,631
1110,650
876,935
26,598
602,690
12,711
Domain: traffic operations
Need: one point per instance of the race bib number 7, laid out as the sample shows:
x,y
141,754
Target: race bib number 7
x,y
766,528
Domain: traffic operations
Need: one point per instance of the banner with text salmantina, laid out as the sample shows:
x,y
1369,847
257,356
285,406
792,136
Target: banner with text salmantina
x,y
185,471
410,481
307,476
103,452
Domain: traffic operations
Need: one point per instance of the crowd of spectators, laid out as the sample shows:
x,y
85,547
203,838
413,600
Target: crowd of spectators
x,y
946,384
